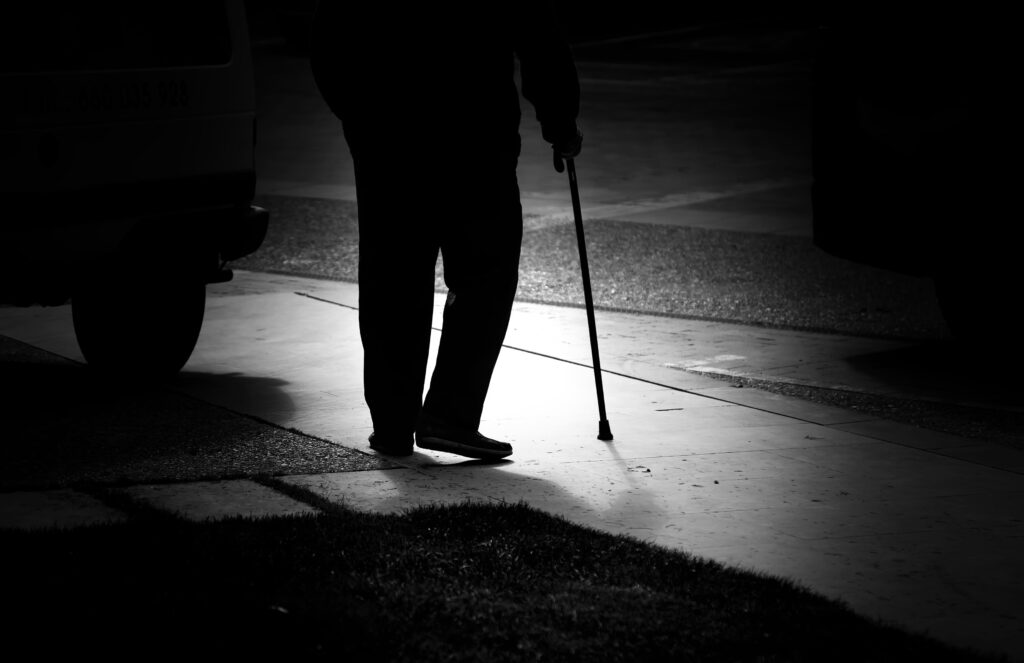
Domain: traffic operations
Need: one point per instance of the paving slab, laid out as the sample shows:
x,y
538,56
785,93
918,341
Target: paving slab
x,y
202,501
54,509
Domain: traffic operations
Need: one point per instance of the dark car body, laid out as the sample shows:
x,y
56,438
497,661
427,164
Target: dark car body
x,y
127,139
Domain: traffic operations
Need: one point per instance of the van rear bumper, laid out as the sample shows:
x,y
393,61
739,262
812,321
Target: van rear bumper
x,y
42,264
245,234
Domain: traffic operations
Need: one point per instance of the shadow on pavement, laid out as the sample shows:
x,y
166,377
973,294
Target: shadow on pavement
x,y
248,393
63,427
947,372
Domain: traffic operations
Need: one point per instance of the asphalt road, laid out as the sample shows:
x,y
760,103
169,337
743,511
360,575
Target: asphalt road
x,y
695,181
752,278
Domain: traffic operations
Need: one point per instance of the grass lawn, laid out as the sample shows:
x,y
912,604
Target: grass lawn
x,y
457,583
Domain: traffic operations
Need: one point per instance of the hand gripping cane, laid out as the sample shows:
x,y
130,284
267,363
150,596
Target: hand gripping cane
x,y
604,431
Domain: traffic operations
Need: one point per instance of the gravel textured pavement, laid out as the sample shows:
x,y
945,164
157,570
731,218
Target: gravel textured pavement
x,y
749,278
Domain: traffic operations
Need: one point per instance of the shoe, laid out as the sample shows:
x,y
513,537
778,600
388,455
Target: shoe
x,y
391,445
462,442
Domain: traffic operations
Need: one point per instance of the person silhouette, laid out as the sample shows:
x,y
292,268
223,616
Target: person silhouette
x,y
430,110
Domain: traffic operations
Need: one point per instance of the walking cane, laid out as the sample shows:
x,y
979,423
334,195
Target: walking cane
x,y
604,431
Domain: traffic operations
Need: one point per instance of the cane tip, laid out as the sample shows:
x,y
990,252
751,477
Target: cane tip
x,y
604,431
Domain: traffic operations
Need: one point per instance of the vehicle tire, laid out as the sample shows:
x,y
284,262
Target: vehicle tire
x,y
138,329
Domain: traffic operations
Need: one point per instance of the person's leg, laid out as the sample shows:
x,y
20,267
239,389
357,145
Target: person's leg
x,y
481,249
397,256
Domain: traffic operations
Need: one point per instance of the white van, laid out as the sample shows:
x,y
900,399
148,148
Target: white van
x,y
127,138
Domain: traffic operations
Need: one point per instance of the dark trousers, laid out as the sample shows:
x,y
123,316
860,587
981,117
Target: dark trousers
x,y
408,212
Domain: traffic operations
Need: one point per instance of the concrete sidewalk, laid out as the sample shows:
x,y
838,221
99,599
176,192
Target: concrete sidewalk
x,y
919,528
